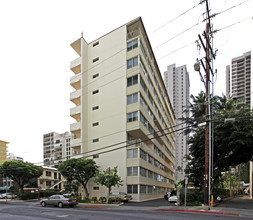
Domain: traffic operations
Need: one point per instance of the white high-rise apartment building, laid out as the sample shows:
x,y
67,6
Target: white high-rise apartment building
x,y
239,78
56,148
178,86
122,112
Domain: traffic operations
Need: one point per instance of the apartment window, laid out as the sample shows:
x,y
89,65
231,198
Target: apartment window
x,y
96,59
95,75
48,173
95,124
95,140
150,174
132,80
133,116
133,98
132,62
132,153
95,156
143,155
143,172
95,92
132,189
132,171
95,44
95,188
132,44
95,108
143,189
150,159
55,175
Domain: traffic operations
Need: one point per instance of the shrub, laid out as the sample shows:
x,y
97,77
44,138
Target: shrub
x,y
28,195
193,197
94,198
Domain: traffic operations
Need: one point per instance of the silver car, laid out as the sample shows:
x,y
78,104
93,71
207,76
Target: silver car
x,y
59,200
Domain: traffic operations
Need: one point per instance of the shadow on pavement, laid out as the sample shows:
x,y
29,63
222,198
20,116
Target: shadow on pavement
x,y
150,203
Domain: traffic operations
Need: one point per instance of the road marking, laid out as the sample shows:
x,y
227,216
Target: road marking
x,y
62,216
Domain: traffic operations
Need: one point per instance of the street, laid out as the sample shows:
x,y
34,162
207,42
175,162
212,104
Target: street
x,y
33,211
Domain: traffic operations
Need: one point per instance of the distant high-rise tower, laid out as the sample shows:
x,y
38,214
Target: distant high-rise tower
x,y
56,148
239,78
178,87
3,151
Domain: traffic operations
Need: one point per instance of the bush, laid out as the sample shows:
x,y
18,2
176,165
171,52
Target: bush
x,y
94,198
223,193
101,198
47,193
28,195
193,197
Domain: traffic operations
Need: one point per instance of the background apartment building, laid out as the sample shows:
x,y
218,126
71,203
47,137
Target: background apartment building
x,y
238,78
3,151
123,115
56,148
50,179
178,86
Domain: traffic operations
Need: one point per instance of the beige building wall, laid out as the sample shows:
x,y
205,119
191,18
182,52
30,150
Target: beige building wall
x,y
100,110
50,179
3,151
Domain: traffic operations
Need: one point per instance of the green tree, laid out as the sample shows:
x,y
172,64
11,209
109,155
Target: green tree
x,y
108,178
81,170
20,172
232,139
71,186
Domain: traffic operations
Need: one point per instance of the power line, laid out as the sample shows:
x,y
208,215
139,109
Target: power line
x,y
176,17
176,35
233,24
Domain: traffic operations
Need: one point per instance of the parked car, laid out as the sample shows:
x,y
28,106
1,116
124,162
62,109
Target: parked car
x,y
59,200
8,196
172,199
124,197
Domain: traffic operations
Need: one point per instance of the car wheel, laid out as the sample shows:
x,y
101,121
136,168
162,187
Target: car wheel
x,y
43,204
60,205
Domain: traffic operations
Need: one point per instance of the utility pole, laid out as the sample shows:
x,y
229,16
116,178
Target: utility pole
x,y
207,139
209,55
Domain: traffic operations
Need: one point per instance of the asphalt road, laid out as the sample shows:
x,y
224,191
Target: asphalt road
x,y
31,211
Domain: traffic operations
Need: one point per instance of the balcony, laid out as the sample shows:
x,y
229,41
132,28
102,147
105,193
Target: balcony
x,y
76,97
75,81
77,46
75,128
75,65
76,113
75,143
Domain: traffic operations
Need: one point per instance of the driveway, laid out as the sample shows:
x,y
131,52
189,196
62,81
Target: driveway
x,y
239,202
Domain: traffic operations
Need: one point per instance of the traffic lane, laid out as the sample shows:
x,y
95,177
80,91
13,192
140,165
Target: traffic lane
x,y
150,203
11,212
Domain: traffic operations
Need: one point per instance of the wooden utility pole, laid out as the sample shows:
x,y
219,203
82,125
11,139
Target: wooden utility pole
x,y
207,132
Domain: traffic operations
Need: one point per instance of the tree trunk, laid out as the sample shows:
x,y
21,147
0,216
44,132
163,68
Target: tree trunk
x,y
86,190
108,194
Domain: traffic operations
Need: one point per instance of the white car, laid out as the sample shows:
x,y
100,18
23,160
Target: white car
x,y
8,196
172,199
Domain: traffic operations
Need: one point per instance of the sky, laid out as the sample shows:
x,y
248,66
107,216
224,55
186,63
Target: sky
x,y
35,53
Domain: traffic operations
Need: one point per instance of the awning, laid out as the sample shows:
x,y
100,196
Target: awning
x,y
5,187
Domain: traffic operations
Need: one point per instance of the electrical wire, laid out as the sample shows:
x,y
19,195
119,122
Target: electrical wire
x,y
176,17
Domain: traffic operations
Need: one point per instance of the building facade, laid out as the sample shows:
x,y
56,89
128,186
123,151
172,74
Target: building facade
x,y
56,148
50,179
3,151
240,78
123,115
178,86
